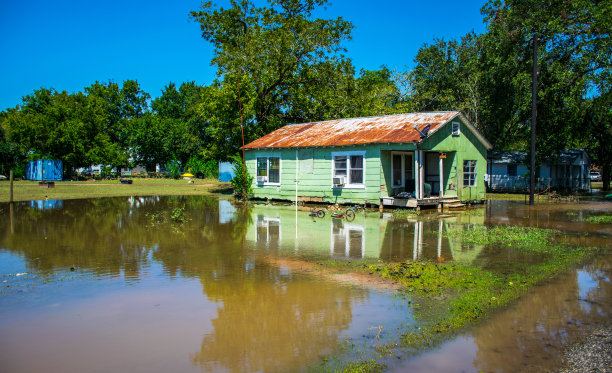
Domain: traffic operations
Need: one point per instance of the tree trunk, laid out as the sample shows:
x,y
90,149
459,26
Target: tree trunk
x,y
605,177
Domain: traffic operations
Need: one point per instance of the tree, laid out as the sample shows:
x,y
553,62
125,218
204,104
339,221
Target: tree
x,y
57,125
446,77
180,116
118,106
147,141
575,51
9,153
274,47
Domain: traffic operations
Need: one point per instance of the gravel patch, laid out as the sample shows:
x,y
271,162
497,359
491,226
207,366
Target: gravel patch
x,y
593,355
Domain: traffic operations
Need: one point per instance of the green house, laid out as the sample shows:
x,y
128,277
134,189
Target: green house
x,y
405,160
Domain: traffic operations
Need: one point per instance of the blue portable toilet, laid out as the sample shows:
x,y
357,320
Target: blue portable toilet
x,y
226,171
44,170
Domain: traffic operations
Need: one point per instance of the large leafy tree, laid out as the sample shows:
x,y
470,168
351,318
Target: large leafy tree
x,y
275,48
59,125
9,153
574,52
179,115
119,105
447,76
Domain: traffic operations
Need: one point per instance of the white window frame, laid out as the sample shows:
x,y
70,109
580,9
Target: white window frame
x,y
456,131
348,155
280,167
475,173
407,159
345,231
264,222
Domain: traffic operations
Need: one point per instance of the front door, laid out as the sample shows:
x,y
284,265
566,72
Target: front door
x,y
402,165
432,172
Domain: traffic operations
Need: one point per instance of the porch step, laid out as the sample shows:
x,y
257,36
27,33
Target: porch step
x,y
450,200
455,205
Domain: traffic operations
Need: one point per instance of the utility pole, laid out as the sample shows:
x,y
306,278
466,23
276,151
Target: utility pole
x,y
244,188
534,92
11,187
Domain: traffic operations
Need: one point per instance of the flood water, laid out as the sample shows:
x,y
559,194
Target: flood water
x,y
161,284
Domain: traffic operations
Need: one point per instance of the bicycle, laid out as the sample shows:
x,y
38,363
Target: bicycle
x,y
320,213
358,208
349,214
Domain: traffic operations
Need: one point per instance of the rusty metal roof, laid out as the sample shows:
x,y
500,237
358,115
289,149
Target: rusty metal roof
x,y
353,131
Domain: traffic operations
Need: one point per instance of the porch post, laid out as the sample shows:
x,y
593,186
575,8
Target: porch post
x,y
421,175
441,168
417,189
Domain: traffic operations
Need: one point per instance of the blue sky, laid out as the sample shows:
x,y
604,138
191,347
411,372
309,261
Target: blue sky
x,y
69,44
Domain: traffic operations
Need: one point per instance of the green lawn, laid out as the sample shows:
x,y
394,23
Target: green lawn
x,y
30,190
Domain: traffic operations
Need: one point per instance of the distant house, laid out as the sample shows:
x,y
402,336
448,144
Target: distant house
x,y
508,172
403,160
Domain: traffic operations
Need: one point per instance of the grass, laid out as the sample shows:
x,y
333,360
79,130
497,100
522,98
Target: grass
x,y
446,297
30,190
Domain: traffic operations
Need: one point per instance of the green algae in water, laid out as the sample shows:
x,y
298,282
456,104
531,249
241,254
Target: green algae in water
x,y
599,219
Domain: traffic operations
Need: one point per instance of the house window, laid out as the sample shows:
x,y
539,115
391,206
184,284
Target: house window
x,y
469,173
268,170
456,128
511,170
349,166
356,170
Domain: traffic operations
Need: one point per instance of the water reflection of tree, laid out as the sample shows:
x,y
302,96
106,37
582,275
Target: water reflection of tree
x,y
115,236
271,320
540,325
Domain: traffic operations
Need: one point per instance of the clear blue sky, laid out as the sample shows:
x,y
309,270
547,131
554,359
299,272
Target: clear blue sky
x,y
69,44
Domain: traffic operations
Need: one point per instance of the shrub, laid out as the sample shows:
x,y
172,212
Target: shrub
x,y
173,168
243,181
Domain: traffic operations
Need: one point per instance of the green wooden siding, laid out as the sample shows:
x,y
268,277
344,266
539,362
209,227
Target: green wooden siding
x,y
466,146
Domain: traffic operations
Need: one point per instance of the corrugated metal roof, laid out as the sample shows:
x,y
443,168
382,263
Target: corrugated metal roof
x,y
352,131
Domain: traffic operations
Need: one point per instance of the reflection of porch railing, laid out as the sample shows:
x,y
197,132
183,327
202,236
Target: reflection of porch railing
x,y
504,183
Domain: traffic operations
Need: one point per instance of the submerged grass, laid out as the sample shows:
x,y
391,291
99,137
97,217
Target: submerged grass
x,y
447,297
599,219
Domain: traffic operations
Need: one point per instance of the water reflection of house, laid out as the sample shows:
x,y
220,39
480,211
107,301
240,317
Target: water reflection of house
x,y
285,231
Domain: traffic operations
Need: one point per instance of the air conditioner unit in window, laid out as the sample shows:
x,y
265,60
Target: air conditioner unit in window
x,y
261,179
338,180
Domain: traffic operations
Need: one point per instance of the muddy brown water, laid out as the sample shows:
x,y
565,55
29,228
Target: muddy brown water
x,y
161,284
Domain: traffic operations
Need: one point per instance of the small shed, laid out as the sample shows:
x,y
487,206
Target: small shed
x,y
44,170
226,171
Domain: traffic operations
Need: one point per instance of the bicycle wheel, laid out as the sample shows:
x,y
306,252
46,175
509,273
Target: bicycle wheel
x,y
350,215
321,213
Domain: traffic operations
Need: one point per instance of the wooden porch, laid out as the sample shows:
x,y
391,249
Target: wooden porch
x,y
450,202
